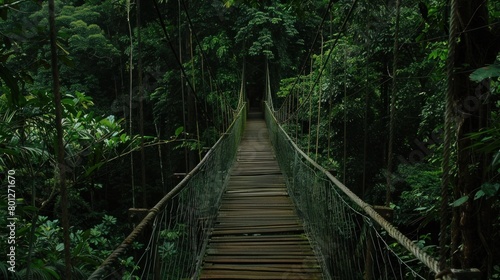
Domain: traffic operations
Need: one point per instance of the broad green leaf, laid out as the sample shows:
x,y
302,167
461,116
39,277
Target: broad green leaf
x,y
52,272
479,194
82,243
60,247
93,168
496,159
485,72
460,201
490,189
68,101
178,131
123,138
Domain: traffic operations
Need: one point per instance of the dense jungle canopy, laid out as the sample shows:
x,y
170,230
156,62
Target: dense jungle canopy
x,y
147,87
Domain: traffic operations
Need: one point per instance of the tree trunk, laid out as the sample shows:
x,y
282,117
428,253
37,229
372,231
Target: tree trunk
x,y
477,47
61,168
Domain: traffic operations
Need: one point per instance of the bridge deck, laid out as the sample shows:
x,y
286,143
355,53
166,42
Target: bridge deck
x,y
257,234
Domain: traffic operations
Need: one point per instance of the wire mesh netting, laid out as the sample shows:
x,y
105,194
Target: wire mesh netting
x,y
175,241
350,244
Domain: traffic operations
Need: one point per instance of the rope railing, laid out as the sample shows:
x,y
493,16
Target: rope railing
x,y
344,226
349,234
177,227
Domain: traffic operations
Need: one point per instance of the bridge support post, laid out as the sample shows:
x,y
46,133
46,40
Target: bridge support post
x,y
136,215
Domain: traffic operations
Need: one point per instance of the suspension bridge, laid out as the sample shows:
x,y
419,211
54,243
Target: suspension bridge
x,y
257,207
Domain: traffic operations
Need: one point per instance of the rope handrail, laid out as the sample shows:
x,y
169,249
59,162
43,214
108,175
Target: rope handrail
x,y
154,211
395,233
425,258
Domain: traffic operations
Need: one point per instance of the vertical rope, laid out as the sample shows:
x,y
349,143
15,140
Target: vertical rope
x,y
344,175
216,111
365,131
194,87
448,131
329,128
292,105
393,107
297,120
141,103
310,110
266,92
331,93
158,134
243,96
184,122
130,68
204,86
319,101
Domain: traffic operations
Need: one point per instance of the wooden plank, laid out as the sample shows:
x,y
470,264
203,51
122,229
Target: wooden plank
x,y
257,259
257,233
259,276
275,268
258,238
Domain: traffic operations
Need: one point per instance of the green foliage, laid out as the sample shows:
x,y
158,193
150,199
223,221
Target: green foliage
x,y
219,43
424,242
419,189
93,45
81,41
9,86
179,130
90,143
268,31
460,201
496,272
486,72
170,244
84,131
487,190
88,248
487,141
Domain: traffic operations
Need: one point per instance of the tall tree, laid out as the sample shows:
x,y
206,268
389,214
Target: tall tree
x,y
478,46
60,170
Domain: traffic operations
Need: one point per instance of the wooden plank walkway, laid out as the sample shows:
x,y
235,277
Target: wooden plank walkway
x,y
257,234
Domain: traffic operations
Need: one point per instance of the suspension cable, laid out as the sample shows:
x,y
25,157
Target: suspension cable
x,y
393,107
344,171
319,104
342,30
198,43
176,55
365,132
309,53
448,132
310,112
132,178
183,95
